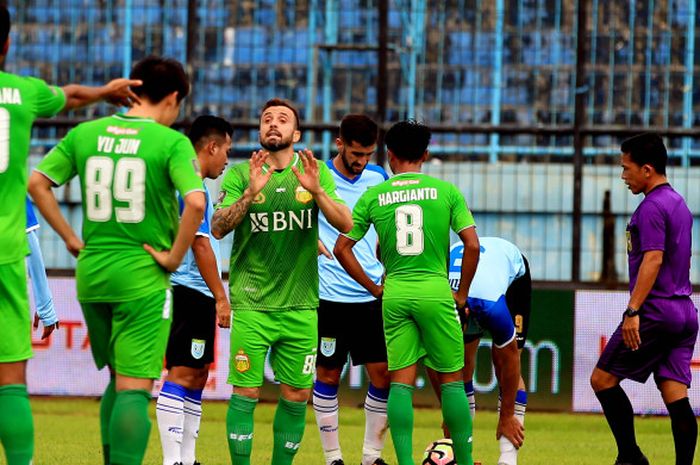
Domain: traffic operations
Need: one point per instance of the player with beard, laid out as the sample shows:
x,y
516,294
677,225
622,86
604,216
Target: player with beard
x,y
273,202
349,317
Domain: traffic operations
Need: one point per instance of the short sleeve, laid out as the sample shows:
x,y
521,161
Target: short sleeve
x,y
49,99
328,183
651,225
232,186
361,217
461,216
59,165
183,167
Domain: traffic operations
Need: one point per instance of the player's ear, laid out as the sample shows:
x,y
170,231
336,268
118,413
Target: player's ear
x,y
339,144
296,136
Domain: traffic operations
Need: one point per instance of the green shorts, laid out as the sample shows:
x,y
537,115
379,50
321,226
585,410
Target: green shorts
x,y
15,324
423,328
131,336
291,336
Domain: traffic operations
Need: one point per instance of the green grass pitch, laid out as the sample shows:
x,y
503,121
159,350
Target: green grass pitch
x,y
67,432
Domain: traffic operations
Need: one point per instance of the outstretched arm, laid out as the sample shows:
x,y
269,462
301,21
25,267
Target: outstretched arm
x,y
116,91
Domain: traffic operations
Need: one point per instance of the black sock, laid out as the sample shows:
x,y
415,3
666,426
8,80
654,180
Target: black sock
x,y
618,411
685,430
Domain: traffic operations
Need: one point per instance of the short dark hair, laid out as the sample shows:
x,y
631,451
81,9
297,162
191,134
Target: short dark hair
x,y
647,148
408,140
161,77
5,25
358,128
207,126
278,102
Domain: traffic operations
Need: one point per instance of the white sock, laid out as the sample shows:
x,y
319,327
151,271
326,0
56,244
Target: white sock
x,y
469,390
190,433
170,416
509,454
376,424
325,402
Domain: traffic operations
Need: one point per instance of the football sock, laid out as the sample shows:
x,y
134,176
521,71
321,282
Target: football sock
x,y
288,429
239,428
325,403
376,424
400,411
16,424
171,419
454,404
469,390
618,411
106,406
129,427
509,454
190,431
685,430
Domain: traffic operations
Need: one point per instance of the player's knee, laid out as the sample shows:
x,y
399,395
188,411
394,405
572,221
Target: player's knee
x,y
250,392
328,375
294,394
601,380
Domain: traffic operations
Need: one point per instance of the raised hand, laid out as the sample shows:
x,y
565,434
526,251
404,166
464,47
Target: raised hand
x,y
258,178
118,92
309,179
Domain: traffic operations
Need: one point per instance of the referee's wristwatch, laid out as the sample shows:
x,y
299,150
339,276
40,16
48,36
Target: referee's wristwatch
x,y
631,312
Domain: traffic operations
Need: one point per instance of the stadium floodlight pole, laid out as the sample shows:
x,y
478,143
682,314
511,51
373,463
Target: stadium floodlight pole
x,y
382,78
579,115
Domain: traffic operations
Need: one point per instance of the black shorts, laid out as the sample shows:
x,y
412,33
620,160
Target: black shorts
x,y
519,301
191,342
354,328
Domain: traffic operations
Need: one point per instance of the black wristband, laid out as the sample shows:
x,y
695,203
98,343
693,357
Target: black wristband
x,y
631,312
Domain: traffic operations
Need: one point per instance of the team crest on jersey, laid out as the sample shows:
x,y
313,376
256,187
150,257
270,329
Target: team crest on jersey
x,y
327,346
302,195
242,361
197,349
260,198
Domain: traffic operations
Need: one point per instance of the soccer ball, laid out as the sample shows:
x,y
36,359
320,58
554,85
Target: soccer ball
x,y
439,452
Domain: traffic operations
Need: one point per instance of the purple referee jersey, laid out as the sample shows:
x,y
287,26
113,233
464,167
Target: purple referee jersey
x,y
668,324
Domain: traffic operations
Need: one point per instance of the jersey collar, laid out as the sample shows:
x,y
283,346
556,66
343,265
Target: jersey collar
x,y
332,167
294,162
132,119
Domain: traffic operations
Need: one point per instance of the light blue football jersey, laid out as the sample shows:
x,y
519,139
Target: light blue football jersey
x,y
32,222
188,274
335,284
500,263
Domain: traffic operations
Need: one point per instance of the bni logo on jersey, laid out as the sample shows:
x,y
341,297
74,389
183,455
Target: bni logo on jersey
x,y
261,222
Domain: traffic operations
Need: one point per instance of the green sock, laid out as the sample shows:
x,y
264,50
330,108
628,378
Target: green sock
x,y
16,424
106,405
129,427
399,409
288,428
239,428
455,412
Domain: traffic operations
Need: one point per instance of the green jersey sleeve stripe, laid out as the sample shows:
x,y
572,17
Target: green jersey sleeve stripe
x,y
190,191
466,227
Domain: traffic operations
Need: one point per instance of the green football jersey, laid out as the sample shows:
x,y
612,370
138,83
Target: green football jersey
x,y
413,214
275,248
22,100
129,169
